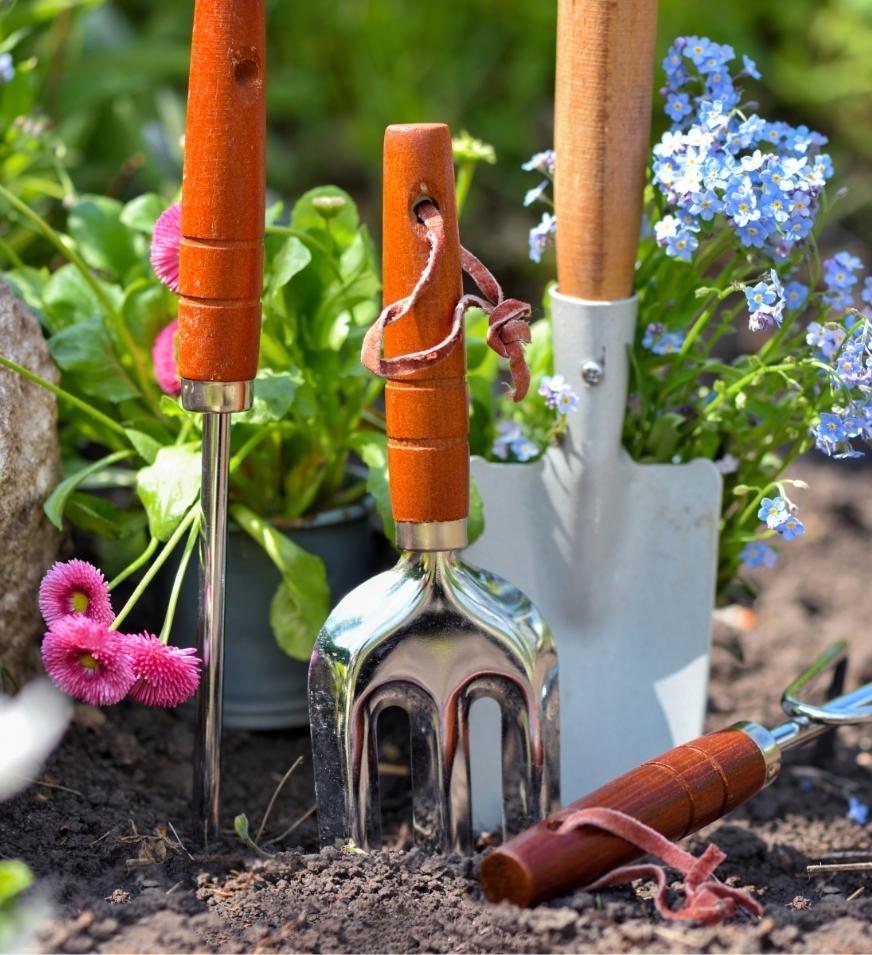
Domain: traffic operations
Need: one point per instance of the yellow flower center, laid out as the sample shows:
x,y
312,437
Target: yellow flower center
x,y
88,662
80,602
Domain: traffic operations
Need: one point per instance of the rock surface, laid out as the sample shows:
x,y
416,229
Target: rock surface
x,y
30,467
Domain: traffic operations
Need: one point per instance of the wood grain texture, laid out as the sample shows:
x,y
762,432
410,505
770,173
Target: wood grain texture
x,y
602,122
221,256
427,412
676,794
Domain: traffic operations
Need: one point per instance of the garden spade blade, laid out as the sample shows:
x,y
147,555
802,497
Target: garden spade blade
x,y
220,279
619,557
434,634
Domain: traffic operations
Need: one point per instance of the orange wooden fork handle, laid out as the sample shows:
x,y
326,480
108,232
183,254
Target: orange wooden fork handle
x,y
676,794
602,123
221,257
427,412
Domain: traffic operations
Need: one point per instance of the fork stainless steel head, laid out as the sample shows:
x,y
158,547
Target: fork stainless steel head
x,y
434,634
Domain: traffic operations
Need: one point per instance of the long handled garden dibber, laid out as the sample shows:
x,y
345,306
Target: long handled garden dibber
x,y
220,279
432,635
619,557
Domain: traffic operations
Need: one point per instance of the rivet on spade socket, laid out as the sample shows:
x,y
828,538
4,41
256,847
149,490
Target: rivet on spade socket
x,y
592,373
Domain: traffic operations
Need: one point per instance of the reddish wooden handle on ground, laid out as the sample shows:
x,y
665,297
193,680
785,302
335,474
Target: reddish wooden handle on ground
x,y
221,256
602,120
676,794
427,412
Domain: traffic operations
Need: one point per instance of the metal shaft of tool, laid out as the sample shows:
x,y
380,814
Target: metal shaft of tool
x,y
210,626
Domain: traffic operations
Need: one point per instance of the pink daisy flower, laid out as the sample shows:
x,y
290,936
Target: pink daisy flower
x,y
166,676
163,357
165,241
87,661
78,588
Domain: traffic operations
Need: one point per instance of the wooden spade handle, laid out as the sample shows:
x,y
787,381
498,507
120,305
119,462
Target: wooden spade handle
x,y
676,794
602,124
427,412
221,256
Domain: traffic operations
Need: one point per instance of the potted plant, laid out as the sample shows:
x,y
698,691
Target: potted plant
x,y
301,513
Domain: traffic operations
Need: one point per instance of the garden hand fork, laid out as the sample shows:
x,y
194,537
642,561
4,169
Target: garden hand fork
x,y
619,557
220,281
433,634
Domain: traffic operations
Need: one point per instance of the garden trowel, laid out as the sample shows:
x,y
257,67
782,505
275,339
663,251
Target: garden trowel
x,y
433,635
619,557
220,279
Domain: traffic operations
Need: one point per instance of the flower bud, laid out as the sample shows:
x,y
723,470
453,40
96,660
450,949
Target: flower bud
x,y
328,207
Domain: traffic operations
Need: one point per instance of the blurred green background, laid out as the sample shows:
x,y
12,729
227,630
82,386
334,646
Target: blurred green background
x,y
110,77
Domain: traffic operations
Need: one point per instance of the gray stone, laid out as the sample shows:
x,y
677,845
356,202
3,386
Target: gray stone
x,y
30,467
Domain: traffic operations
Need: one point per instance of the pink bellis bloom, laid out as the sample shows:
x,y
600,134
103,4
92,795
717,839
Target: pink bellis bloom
x,y
163,357
88,661
165,242
75,588
165,676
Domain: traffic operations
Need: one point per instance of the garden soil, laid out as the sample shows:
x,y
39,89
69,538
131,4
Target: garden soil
x,y
102,828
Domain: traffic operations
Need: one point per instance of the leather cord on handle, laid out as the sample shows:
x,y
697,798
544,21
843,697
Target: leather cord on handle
x,y
508,327
707,901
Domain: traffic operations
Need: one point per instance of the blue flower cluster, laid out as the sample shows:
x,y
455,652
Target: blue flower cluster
x,y
779,516
558,395
661,342
541,235
712,161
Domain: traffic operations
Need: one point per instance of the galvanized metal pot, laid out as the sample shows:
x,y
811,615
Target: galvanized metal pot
x,y
264,688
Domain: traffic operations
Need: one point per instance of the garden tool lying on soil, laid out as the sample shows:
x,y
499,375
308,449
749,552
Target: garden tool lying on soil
x,y
433,634
619,557
675,794
220,278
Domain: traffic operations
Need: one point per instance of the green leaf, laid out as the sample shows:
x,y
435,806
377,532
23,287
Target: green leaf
x,y
146,446
169,487
172,409
293,257
240,824
84,351
68,298
475,524
104,240
15,877
144,309
57,500
665,436
289,625
372,446
302,603
96,515
142,212
343,227
273,396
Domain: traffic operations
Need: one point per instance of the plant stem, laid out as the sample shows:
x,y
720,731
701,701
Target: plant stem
x,y
11,254
252,443
115,316
190,517
465,173
143,558
60,393
177,583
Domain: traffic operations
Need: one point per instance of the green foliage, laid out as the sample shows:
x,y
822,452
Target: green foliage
x,y
302,601
15,879
169,487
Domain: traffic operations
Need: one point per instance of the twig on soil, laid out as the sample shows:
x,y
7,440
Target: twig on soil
x,y
39,782
839,867
178,839
274,795
94,843
854,895
173,889
290,829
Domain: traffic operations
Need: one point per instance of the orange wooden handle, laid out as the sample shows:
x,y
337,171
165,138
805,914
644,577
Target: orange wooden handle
x,y
428,411
221,256
676,794
602,123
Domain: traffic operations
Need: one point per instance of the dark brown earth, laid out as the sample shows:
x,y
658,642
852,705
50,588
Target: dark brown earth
x,y
118,881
